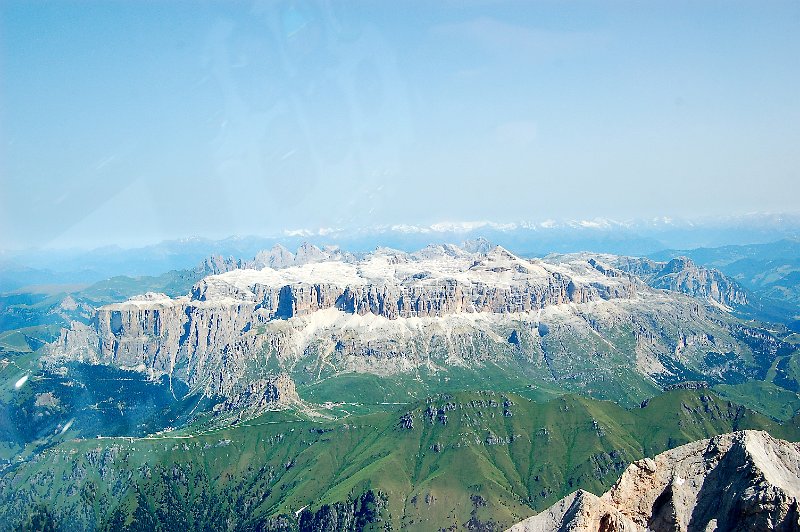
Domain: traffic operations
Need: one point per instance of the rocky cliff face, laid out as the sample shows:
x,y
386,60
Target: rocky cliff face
x,y
574,321
435,281
739,481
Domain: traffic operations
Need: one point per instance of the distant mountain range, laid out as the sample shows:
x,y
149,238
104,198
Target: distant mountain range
x,y
638,238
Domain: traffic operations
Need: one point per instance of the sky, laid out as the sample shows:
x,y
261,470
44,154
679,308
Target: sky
x,y
128,122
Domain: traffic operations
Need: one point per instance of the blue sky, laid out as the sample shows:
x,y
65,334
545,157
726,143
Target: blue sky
x,y
131,122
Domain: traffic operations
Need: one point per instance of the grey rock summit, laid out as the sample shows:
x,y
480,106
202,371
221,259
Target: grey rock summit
x,y
276,258
579,511
740,481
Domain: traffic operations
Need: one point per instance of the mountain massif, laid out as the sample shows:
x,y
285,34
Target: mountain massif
x,y
319,314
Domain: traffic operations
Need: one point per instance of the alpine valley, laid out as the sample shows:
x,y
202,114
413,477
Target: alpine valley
x,y
453,387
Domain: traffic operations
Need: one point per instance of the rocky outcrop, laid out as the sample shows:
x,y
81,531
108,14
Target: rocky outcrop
x,y
278,257
78,342
275,258
216,264
69,309
682,275
739,481
477,245
275,392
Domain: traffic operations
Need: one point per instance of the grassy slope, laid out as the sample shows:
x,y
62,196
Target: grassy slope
x,y
365,388
481,466
763,397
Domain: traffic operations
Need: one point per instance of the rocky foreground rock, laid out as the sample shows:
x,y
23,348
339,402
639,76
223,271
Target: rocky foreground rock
x,y
740,481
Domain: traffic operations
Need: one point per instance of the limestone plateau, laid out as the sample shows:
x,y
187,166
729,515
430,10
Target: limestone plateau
x,y
740,481
570,319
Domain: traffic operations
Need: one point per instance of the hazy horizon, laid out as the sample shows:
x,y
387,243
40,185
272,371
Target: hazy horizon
x,y
787,225
129,123
633,237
